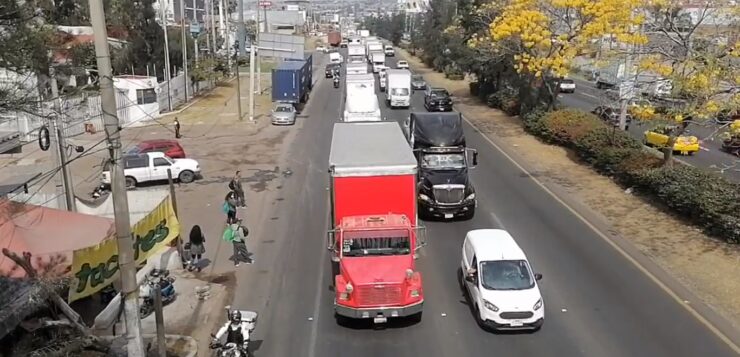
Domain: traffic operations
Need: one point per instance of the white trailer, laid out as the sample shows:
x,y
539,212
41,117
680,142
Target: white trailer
x,y
378,60
367,80
361,104
357,68
355,53
398,88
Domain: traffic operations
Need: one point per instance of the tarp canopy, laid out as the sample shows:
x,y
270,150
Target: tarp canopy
x,y
437,130
50,235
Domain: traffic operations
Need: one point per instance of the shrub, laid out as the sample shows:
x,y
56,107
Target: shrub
x,y
474,88
505,99
705,198
454,73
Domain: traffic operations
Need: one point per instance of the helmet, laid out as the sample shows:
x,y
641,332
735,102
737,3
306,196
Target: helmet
x,y
236,316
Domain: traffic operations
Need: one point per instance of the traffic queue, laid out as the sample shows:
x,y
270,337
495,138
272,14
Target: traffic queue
x,y
386,174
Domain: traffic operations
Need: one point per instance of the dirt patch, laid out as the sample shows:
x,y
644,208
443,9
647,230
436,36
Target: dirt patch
x,y
699,262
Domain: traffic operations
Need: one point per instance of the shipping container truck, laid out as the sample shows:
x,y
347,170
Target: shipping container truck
x,y
334,38
355,50
291,82
374,234
445,189
398,88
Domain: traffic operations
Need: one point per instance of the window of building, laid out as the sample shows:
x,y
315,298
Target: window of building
x,y
146,96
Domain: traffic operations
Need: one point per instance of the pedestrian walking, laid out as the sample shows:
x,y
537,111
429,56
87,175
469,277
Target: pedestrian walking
x,y
237,234
177,129
197,248
229,207
236,186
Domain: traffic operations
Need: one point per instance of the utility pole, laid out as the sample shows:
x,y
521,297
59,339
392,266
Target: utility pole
x,y
63,186
251,84
126,263
258,29
221,25
184,46
227,38
239,90
241,30
212,16
167,67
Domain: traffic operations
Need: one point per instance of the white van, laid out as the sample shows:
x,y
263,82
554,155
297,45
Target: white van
x,y
499,282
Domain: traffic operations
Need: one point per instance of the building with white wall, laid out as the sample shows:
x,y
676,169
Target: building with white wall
x,y
138,98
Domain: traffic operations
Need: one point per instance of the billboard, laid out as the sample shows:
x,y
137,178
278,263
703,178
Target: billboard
x,y
281,46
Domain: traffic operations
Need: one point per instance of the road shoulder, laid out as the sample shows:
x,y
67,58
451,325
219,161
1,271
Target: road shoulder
x,y
692,264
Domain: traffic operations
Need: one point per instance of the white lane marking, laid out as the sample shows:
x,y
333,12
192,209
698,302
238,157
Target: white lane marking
x,y
699,317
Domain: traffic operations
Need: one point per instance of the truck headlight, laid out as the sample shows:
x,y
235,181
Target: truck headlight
x,y
415,293
490,306
349,288
537,305
424,197
470,196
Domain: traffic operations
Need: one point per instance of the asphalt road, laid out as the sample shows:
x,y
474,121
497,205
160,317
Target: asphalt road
x,y
597,304
587,97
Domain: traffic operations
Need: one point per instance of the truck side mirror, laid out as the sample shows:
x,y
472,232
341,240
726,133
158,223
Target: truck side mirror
x,y
330,245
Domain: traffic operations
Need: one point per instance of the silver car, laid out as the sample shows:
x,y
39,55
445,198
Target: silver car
x,y
283,114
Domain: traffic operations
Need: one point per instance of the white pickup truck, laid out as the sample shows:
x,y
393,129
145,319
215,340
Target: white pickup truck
x,y
152,166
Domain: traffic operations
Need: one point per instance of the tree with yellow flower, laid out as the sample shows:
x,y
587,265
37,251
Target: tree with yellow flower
x,y
544,36
695,52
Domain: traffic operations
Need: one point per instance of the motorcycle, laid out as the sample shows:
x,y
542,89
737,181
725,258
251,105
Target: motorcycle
x,y
230,349
336,82
146,290
100,191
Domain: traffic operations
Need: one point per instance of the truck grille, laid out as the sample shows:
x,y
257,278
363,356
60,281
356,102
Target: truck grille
x,y
516,315
379,294
449,194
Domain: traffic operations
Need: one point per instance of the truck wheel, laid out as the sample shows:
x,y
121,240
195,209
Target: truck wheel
x,y
186,176
130,182
341,320
415,318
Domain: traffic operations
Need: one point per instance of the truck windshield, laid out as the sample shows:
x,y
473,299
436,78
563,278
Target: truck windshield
x,y
443,161
400,91
373,243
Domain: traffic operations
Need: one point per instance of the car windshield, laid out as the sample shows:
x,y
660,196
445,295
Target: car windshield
x,y
402,63
283,109
370,243
567,81
440,93
417,78
400,91
506,275
443,161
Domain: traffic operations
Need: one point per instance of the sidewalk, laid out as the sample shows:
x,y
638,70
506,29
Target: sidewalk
x,y
699,262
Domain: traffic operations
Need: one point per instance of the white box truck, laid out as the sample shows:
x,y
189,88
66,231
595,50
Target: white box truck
x,y
361,104
375,47
356,53
357,68
378,60
367,80
398,88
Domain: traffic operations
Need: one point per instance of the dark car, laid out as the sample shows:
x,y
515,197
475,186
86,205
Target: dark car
x,y
331,69
169,147
437,100
417,82
610,115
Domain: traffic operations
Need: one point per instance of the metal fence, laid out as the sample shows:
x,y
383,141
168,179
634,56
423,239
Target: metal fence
x,y
83,113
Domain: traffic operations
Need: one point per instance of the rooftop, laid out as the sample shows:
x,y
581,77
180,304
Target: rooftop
x,y
375,148
495,244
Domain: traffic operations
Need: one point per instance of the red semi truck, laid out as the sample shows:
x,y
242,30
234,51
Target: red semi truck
x,y
374,235
334,38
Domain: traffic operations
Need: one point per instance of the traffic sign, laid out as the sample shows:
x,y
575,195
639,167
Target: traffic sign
x,y
265,3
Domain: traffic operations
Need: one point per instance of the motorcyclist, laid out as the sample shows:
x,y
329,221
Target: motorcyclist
x,y
236,331
336,81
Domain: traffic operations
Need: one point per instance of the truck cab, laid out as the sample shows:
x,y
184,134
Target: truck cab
x,y
374,234
445,189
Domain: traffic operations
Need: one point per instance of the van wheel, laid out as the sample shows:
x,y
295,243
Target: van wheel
x,y
186,176
130,182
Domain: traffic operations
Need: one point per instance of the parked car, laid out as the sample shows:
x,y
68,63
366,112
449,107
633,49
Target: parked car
x,y
418,82
283,114
567,85
437,99
152,166
610,115
658,137
169,147
402,65
499,282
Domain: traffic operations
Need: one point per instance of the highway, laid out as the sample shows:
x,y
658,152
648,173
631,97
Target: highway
x,y
587,97
597,303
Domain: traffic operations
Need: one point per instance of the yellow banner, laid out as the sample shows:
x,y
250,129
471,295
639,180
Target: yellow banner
x,y
96,267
